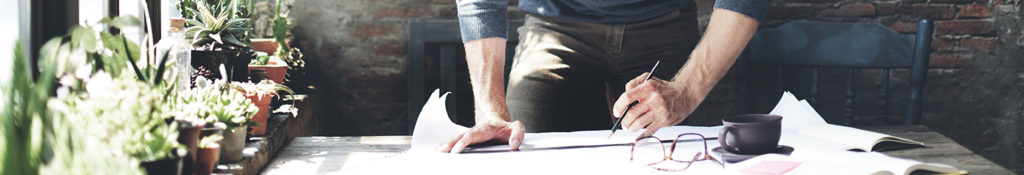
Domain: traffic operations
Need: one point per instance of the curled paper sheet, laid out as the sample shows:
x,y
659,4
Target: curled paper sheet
x,y
433,126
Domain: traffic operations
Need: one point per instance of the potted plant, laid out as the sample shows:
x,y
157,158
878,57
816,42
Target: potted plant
x,y
295,77
230,107
260,94
40,139
209,153
220,34
127,113
273,66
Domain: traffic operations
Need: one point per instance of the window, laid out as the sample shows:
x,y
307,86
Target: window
x,y
8,37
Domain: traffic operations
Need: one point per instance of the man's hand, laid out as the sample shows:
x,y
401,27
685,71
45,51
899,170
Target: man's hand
x,y
501,131
486,61
661,104
664,103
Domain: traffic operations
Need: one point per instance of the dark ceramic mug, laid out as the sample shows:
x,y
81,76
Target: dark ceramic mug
x,y
751,133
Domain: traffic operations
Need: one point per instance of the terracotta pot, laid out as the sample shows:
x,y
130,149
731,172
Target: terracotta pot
x,y
232,145
268,45
275,69
188,135
207,159
262,101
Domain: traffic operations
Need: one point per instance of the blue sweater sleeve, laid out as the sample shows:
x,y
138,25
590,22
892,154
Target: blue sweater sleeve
x,y
751,8
479,19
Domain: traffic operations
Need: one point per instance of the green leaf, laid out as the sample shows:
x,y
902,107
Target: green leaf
x,y
124,21
190,32
77,34
109,41
233,41
89,40
48,52
161,67
193,22
280,29
236,21
128,54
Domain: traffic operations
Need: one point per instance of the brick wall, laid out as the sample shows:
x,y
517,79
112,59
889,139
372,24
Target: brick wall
x,y
357,51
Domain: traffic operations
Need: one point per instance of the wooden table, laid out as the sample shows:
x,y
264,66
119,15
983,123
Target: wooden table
x,y
327,155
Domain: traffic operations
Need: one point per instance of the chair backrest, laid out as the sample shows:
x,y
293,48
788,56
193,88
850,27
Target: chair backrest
x,y
840,45
445,34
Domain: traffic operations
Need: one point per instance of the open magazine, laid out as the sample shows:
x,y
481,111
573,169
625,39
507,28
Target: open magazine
x,y
809,161
798,117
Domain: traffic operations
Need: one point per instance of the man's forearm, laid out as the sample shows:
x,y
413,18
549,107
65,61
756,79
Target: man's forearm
x,y
727,34
486,61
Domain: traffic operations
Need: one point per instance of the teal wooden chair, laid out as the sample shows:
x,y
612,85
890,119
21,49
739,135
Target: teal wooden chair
x,y
851,46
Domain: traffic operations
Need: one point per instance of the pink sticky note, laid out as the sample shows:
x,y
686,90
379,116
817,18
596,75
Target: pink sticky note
x,y
771,167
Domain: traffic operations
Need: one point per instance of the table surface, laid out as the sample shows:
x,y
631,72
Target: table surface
x,y
325,155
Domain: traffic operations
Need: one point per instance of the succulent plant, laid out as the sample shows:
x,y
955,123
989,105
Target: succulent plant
x,y
263,87
215,101
210,141
217,27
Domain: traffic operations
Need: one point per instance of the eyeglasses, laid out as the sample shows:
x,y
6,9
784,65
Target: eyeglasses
x,y
645,150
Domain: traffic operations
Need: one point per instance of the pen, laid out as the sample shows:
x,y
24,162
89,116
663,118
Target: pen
x,y
617,122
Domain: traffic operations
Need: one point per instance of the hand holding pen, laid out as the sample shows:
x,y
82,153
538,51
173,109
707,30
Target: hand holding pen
x,y
617,122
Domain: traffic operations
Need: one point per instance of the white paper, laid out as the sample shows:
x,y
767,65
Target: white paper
x,y
433,126
795,113
802,126
540,153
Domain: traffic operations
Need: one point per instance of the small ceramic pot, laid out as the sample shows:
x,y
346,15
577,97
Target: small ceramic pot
x,y
232,145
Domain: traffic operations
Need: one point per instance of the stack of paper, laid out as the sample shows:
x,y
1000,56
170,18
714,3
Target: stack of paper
x,y
802,126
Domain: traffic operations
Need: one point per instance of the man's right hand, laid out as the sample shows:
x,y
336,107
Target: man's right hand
x,y
485,59
501,131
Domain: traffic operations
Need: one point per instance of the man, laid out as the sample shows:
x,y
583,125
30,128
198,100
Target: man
x,y
576,57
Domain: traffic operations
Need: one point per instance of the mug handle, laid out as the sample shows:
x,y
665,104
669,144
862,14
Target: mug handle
x,y
722,141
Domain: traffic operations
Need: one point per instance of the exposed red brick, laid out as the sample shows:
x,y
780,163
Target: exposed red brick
x,y
435,1
952,1
401,12
944,44
904,26
930,11
960,27
885,8
390,48
328,52
370,31
913,1
448,13
303,44
979,43
948,60
975,11
373,81
381,96
857,10
790,11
